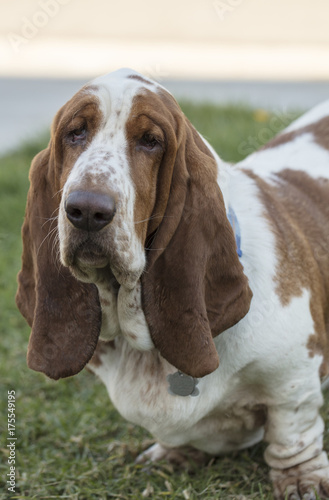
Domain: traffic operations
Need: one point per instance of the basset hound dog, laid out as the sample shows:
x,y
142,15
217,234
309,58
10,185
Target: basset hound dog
x,y
197,291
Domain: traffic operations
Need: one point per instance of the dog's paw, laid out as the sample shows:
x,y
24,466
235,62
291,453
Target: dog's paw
x,y
307,481
184,457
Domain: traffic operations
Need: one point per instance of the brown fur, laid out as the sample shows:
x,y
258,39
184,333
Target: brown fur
x,y
298,211
144,167
139,78
319,129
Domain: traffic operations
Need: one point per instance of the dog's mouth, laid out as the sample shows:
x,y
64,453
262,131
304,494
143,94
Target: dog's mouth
x,y
97,260
90,256
90,263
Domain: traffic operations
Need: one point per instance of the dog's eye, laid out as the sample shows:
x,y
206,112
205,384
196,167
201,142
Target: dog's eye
x,y
78,135
149,142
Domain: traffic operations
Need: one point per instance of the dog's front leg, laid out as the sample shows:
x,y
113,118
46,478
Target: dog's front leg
x,y
299,466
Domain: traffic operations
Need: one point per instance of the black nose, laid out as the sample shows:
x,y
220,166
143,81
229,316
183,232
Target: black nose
x,y
89,211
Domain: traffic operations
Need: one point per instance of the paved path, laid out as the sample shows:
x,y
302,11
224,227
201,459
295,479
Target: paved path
x,y
28,105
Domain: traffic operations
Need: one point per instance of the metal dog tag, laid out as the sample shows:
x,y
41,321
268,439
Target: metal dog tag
x,y
182,385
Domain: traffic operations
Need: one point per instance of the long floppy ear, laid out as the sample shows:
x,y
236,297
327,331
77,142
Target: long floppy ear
x,y
194,286
64,313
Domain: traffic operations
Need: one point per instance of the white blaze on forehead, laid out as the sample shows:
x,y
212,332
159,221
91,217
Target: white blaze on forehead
x,y
122,86
104,167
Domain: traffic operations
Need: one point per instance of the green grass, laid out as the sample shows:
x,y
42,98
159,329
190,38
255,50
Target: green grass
x,y
64,428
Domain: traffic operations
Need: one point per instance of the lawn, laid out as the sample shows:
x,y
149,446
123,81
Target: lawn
x,y
71,443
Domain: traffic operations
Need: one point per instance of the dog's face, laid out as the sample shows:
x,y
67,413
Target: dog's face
x,y
113,145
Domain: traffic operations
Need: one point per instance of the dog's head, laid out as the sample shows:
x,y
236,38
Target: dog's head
x,y
127,193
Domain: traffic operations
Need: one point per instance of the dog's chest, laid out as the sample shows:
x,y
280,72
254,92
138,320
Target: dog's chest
x,y
226,414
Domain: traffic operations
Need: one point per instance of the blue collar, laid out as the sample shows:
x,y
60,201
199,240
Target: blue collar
x,y
231,215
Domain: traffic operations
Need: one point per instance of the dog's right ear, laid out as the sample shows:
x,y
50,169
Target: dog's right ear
x,y
194,286
64,314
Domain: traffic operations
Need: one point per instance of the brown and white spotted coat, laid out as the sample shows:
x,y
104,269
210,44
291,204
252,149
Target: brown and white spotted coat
x,y
126,237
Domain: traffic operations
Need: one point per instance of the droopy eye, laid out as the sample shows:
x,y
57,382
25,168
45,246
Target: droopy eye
x,y
77,136
148,141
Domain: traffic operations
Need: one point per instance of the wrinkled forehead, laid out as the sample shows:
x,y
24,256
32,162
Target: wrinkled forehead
x,y
116,91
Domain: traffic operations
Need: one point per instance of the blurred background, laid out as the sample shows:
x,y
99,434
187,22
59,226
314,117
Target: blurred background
x,y
260,52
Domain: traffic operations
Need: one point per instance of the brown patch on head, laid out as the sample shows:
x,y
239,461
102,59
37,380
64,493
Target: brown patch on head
x,y
82,111
150,116
140,79
298,211
319,129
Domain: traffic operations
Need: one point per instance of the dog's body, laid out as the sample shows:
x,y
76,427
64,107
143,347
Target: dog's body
x,y
273,349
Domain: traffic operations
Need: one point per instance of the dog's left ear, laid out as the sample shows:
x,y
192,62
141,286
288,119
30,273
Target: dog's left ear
x,y
194,287
64,314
